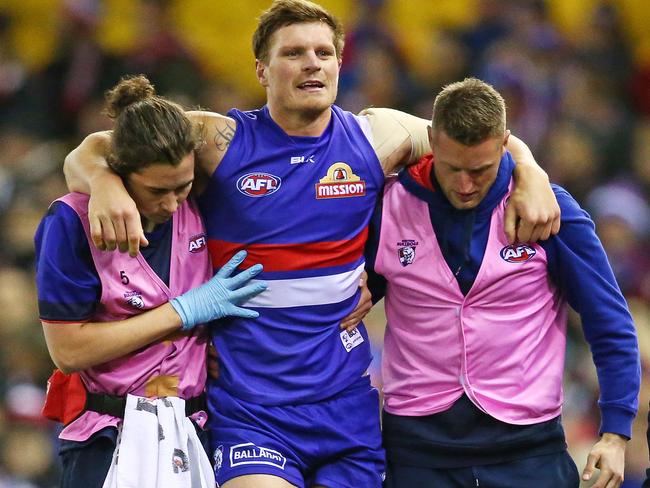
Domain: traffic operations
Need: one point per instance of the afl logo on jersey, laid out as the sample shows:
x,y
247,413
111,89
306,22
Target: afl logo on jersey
x,y
258,184
517,253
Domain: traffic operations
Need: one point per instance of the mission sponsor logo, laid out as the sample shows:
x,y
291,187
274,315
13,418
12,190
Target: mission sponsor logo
x,y
258,184
340,182
249,453
517,253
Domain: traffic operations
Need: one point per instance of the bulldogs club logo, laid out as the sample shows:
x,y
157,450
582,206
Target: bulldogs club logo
x,y
517,253
340,182
218,458
258,184
134,298
406,251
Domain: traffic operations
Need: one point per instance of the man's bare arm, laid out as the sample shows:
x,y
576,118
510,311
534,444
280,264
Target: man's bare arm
x,y
532,212
399,139
79,346
217,133
113,216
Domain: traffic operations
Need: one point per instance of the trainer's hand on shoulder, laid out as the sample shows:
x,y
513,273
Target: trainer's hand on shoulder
x,y
607,455
532,213
221,295
114,219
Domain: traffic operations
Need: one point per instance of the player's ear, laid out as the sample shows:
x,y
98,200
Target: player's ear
x,y
260,72
506,136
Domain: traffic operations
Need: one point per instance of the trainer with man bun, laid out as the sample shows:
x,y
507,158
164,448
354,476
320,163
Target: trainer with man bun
x,y
131,327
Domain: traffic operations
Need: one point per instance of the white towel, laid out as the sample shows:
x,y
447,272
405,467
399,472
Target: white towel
x,y
157,447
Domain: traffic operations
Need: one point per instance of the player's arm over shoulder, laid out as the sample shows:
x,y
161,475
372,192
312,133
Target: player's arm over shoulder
x,y
217,132
397,137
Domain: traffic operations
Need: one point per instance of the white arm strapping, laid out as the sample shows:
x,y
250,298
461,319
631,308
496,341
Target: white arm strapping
x,y
398,138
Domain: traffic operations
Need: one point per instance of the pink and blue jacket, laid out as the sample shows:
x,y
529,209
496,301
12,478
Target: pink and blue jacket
x,y
125,287
470,315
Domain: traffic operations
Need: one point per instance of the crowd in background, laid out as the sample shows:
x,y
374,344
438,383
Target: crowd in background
x,y
575,76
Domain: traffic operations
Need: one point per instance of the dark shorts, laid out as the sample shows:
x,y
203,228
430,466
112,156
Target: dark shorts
x,y
86,463
555,470
335,443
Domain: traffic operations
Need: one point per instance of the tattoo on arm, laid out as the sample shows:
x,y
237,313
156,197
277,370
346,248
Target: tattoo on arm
x,y
223,136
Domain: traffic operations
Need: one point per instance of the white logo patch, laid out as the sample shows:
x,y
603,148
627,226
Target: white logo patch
x,y
351,339
249,453
302,159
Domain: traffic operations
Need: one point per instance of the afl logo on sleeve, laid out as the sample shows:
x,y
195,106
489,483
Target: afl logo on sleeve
x,y
517,253
197,243
340,182
258,184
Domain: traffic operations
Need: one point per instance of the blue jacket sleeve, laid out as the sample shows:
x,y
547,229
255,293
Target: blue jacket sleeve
x,y
376,282
580,268
67,282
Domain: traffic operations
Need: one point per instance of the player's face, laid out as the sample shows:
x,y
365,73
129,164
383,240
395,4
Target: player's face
x,y
302,71
158,190
466,173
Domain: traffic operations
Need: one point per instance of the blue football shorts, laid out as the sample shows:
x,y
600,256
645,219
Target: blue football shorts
x,y
335,443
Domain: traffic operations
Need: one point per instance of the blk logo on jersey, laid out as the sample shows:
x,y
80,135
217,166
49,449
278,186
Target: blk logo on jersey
x,y
406,251
302,159
249,453
258,184
340,182
197,243
134,298
517,253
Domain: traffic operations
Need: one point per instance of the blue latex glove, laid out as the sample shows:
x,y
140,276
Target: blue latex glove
x,y
220,296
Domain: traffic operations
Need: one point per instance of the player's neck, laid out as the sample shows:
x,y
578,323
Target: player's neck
x,y
148,225
302,124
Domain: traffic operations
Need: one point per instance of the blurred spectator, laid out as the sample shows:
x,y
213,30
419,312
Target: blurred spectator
x,y
622,218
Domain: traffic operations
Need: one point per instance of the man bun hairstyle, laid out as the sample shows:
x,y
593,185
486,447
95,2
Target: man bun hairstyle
x,y
469,112
148,128
288,12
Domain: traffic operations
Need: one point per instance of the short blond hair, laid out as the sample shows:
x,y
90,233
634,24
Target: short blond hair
x,y
469,111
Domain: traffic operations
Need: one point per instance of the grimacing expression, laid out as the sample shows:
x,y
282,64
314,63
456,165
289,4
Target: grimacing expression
x,y
466,173
302,70
158,189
